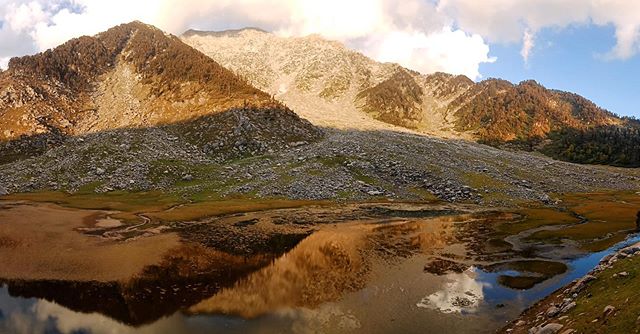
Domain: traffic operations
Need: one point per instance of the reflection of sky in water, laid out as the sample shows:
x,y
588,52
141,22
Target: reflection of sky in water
x,y
471,292
481,292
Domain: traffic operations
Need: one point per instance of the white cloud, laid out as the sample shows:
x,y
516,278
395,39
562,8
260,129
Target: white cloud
x,y
447,50
4,62
425,42
442,35
24,16
507,21
528,42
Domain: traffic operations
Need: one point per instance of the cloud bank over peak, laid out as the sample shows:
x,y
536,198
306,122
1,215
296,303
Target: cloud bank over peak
x,y
410,32
425,35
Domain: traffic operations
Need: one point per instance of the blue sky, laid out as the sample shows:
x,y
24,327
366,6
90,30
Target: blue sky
x,y
574,60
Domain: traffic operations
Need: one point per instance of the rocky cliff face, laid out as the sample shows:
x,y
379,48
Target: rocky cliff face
x,y
131,76
332,85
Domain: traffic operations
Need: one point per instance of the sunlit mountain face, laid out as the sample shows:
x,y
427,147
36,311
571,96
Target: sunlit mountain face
x,y
333,167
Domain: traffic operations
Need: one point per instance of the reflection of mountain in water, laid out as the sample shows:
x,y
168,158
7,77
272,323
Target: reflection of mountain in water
x,y
187,276
328,264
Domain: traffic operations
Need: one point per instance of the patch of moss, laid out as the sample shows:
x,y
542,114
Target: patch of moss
x,y
335,161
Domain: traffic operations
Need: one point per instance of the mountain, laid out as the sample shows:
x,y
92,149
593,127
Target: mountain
x,y
331,85
135,109
130,77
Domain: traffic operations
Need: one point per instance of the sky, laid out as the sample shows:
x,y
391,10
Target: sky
x,y
590,47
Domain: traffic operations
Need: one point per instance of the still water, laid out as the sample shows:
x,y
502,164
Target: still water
x,y
407,273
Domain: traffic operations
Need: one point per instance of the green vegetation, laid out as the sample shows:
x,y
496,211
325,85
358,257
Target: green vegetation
x,y
610,145
562,125
397,100
129,204
194,211
537,217
483,181
619,292
502,112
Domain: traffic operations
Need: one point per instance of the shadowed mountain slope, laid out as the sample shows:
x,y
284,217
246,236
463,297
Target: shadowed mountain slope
x,y
129,76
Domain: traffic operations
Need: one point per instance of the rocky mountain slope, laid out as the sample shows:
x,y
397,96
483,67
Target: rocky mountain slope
x,y
129,77
331,85
155,114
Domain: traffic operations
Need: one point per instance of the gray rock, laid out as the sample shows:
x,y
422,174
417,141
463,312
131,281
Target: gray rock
x,y
100,171
582,283
551,328
621,274
568,307
552,311
3,191
608,311
187,177
298,143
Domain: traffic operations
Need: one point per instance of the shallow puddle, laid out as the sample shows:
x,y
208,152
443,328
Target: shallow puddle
x,y
370,268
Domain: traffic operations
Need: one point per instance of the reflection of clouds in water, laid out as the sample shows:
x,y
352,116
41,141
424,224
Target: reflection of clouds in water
x,y
47,317
461,293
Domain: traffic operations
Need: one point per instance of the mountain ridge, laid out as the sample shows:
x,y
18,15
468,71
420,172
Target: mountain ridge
x,y
319,77
134,124
132,76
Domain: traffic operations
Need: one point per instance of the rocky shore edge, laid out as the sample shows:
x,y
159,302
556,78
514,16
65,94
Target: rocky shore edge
x,y
549,316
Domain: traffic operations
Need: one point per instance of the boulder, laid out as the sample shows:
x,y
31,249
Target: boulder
x,y
608,311
582,283
551,328
552,311
568,307
621,274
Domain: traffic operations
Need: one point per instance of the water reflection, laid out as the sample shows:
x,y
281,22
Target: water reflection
x,y
462,293
410,272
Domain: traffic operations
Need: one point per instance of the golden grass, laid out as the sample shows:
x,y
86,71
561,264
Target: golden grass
x,y
537,217
609,215
199,210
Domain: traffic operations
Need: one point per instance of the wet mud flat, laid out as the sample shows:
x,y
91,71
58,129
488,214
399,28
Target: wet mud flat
x,y
375,267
